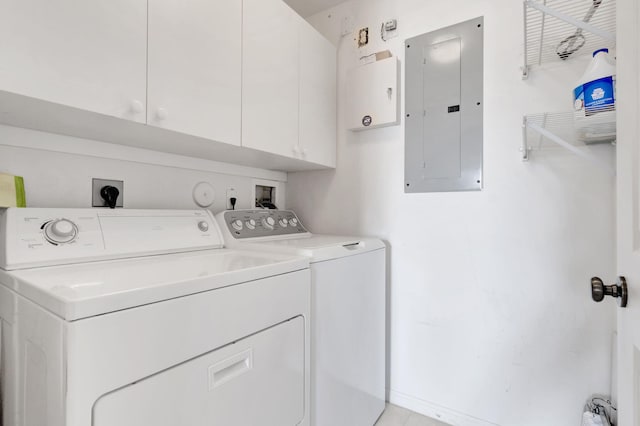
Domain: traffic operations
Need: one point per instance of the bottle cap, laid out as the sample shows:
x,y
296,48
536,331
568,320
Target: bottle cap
x,y
600,50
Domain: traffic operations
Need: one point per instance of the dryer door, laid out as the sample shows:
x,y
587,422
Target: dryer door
x,y
258,380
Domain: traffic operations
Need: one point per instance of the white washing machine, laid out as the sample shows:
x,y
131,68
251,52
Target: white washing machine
x,y
348,288
141,318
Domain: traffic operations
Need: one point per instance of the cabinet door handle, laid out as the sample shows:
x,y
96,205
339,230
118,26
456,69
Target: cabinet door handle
x,y
136,106
162,114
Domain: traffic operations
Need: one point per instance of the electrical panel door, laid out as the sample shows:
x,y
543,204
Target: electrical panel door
x,y
443,129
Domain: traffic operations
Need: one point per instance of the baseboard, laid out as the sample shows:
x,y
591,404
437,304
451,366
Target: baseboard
x,y
435,411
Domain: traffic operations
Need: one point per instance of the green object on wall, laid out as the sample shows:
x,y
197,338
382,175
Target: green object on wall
x,y
12,192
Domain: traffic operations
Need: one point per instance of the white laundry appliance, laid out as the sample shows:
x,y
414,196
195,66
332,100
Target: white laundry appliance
x,y
140,317
348,305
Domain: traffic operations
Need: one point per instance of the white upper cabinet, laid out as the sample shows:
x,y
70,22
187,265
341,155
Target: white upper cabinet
x,y
244,81
289,85
195,67
317,98
89,55
270,77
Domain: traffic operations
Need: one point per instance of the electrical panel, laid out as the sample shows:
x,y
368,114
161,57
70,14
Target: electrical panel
x,y
444,109
373,99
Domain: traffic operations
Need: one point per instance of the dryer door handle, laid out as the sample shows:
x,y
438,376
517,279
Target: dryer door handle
x,y
230,368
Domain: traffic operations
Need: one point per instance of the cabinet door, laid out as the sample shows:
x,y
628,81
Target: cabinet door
x,y
85,54
317,97
194,80
270,77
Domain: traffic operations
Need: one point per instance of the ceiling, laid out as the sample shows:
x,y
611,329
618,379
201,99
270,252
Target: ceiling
x,y
307,8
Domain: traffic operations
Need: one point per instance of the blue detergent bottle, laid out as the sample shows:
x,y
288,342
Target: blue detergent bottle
x,y
594,100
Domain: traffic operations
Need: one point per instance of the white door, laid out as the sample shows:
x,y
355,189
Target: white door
x,y
270,77
317,97
628,215
195,67
90,55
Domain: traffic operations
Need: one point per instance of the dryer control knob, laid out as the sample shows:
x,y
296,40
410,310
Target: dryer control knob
x,y
268,222
251,224
203,226
237,225
283,223
60,231
293,221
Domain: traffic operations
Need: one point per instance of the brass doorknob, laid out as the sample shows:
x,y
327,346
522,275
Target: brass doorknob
x,y
618,290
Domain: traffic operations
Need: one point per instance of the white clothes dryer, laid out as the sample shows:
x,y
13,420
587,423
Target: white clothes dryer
x,y
348,305
140,317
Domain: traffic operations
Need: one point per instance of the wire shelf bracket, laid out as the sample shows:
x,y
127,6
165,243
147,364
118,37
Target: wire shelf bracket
x,y
537,124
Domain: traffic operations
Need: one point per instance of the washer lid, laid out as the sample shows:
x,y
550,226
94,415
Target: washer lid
x,y
84,290
317,247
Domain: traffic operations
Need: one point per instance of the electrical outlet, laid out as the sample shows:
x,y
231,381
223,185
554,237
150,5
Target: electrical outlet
x,y
389,29
98,184
391,25
231,193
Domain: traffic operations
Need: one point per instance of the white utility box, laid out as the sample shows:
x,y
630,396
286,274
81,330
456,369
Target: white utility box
x,y
373,99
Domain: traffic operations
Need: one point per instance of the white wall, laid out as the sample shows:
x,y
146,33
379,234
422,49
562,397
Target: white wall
x,y
491,320
58,171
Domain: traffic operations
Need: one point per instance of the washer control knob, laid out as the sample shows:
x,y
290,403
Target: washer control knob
x,y
203,226
293,221
251,224
283,223
237,225
60,231
268,222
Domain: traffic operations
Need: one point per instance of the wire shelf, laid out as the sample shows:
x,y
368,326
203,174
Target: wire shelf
x,y
557,30
549,131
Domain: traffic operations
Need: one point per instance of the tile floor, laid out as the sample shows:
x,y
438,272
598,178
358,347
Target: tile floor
x,y
398,416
